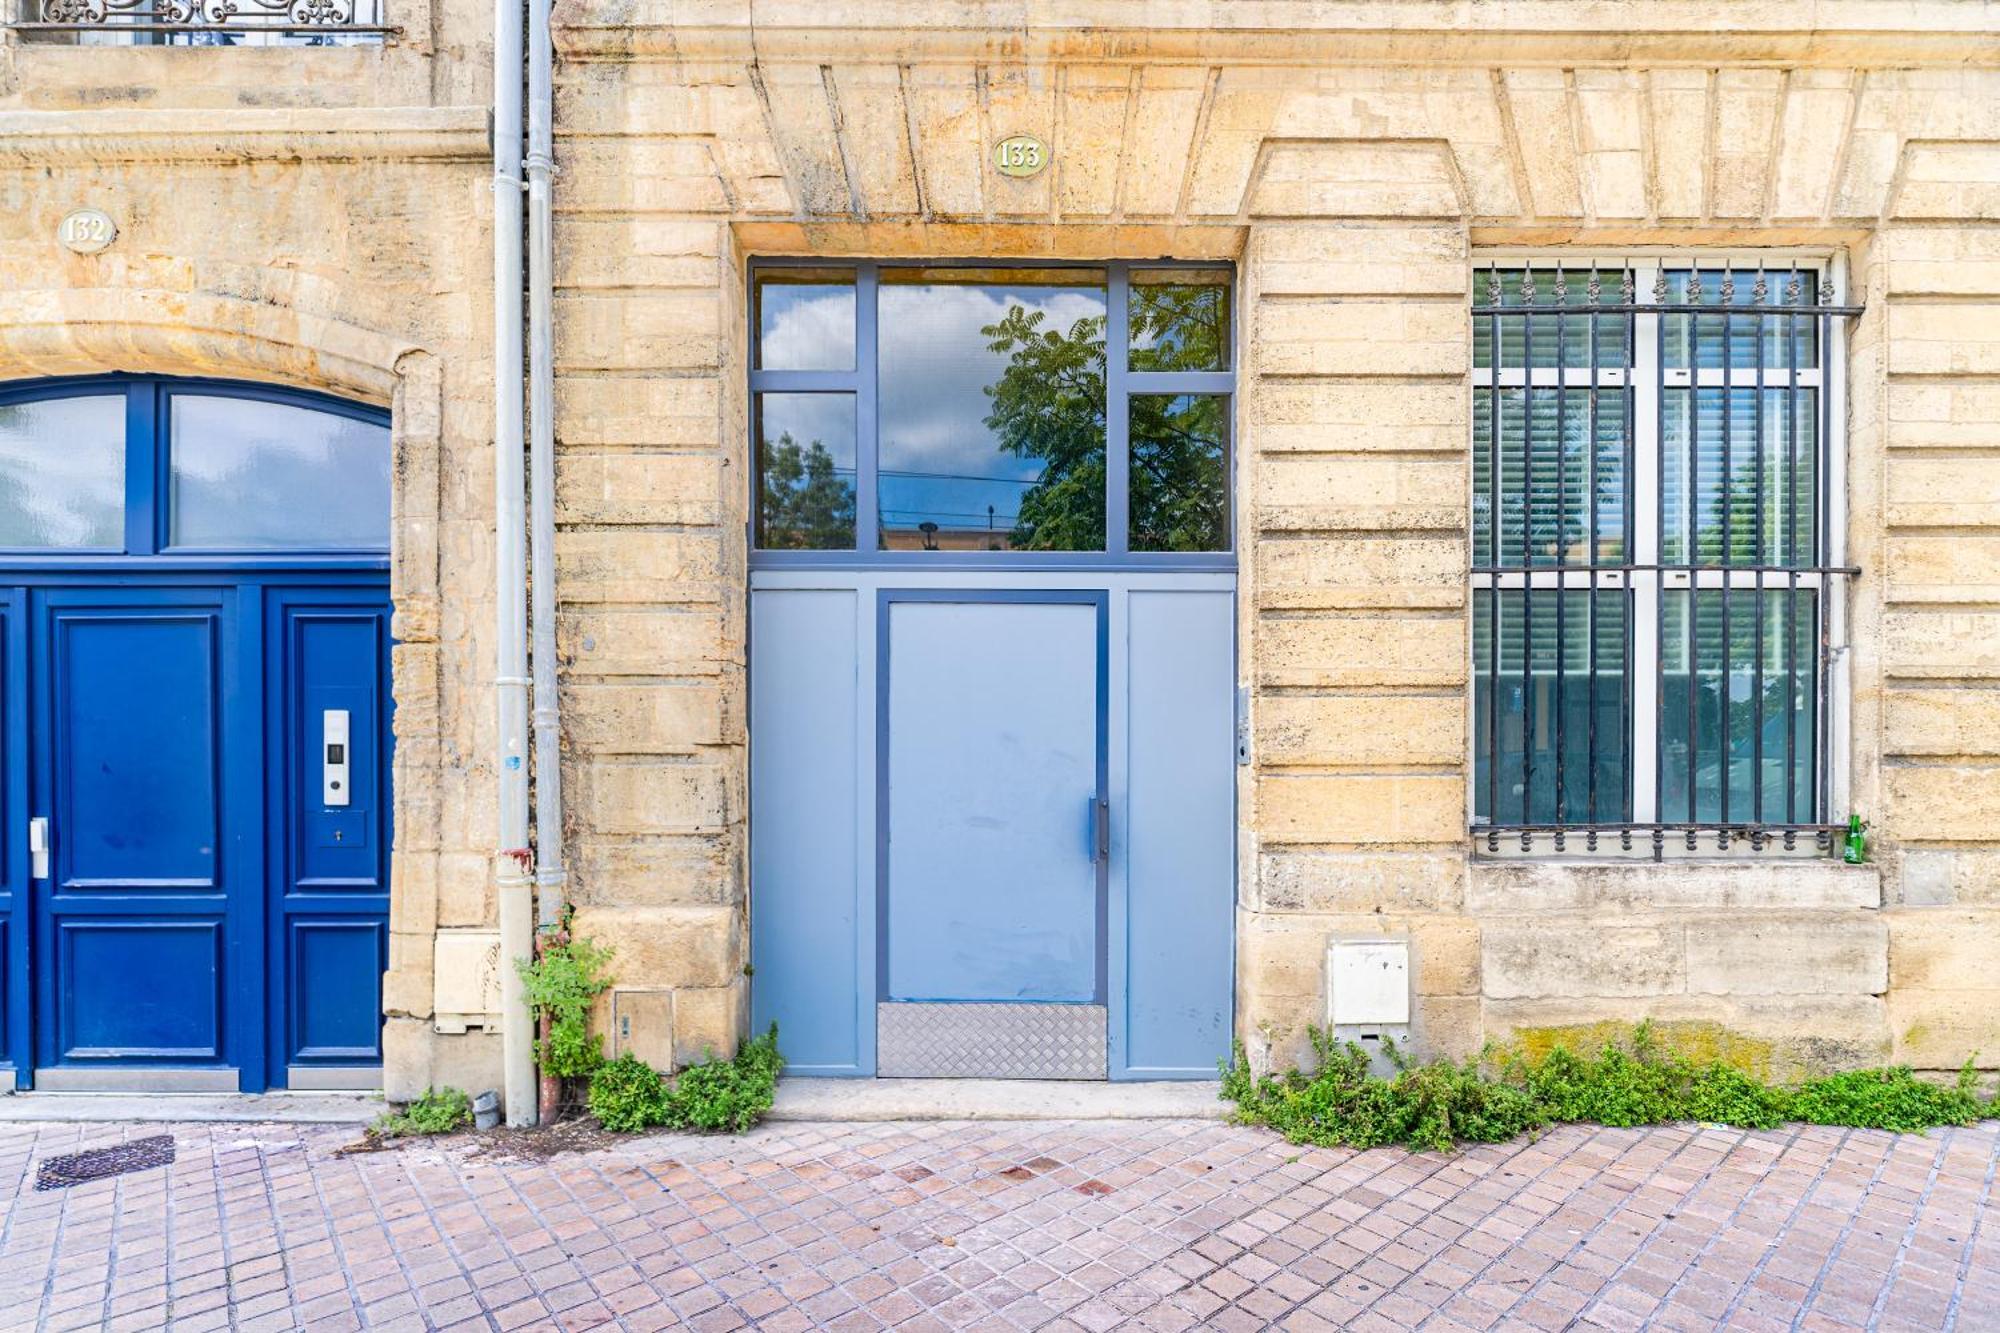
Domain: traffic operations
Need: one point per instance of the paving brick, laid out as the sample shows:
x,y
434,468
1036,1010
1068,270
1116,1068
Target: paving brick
x,y
980,1225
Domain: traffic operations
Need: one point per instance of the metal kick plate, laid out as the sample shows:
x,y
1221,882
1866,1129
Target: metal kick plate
x,y
914,1039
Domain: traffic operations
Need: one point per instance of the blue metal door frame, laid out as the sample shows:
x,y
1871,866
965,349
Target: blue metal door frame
x,y
247,592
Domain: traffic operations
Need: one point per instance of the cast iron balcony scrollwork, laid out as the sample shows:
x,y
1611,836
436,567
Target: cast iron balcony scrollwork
x,y
210,22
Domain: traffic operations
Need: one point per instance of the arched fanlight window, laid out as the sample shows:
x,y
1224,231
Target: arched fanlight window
x,y
139,465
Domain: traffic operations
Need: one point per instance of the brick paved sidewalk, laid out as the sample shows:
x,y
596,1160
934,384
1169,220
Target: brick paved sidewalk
x,y
1092,1225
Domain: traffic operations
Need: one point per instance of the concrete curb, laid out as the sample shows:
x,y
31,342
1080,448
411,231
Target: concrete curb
x,y
842,1099
282,1108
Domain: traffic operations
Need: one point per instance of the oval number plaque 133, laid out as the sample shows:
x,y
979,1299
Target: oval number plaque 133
x,y
1020,155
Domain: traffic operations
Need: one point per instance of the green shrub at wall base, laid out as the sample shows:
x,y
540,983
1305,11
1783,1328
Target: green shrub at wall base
x,y
628,1095
438,1111
562,982
1430,1107
715,1096
1890,1099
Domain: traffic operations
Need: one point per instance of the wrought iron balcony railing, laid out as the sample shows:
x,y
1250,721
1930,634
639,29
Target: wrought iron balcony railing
x,y
203,22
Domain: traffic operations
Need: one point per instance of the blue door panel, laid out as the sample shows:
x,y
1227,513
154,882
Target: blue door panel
x,y
328,649
993,765
137,990
11,1060
811,931
144,923
335,968
205,906
137,748
1178,838
335,661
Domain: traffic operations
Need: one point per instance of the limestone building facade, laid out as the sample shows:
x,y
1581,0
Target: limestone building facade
x,y
1368,186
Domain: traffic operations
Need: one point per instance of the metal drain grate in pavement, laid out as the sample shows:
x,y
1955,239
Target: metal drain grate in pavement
x,y
75,1168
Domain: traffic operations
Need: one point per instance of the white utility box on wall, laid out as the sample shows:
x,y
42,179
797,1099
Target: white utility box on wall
x,y
1368,983
465,980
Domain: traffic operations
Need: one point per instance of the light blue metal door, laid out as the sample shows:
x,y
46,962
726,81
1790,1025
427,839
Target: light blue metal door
x,y
994,825
994,790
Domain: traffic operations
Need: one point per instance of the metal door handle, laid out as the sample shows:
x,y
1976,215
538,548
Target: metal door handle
x,y
1100,829
38,847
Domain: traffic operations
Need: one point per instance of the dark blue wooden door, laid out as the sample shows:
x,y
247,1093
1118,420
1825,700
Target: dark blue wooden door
x,y
194,734
144,762
207,771
328,655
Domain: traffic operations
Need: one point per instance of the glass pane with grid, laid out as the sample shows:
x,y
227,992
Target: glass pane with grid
x,y
1560,499
1552,682
1736,705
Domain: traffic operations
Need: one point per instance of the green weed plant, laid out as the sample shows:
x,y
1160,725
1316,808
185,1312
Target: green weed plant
x,y
1431,1107
716,1096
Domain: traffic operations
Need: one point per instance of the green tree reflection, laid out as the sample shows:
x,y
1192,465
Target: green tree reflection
x,y
1049,405
807,505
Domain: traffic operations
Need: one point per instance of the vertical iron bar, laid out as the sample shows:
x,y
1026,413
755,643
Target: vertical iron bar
x,y
1527,545
1792,549
1725,756
1758,558
1691,506
1560,711
1660,555
1493,513
1628,288
1823,548
1590,475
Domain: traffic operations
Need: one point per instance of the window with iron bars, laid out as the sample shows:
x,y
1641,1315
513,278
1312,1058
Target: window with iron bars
x,y
1657,566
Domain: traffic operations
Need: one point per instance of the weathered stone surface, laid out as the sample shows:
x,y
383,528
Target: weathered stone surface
x,y
1360,809
1777,1036
674,947
1577,957
1945,951
1292,880
1942,1029
708,1021
1622,888
1360,730
1786,954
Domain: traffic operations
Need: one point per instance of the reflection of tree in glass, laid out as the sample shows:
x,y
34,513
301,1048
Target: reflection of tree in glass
x,y
1049,406
807,505
1178,327
1179,494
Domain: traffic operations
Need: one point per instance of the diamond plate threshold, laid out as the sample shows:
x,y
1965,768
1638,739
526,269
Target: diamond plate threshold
x,y
78,1168
847,1099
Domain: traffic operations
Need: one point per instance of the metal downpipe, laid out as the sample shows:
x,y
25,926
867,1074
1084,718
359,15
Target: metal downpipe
x,y
550,875
514,885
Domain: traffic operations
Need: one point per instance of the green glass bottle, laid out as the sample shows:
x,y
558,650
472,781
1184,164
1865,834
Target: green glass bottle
x,y
1855,852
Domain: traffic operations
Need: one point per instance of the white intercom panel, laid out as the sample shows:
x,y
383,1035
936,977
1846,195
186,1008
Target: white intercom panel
x,y
336,757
